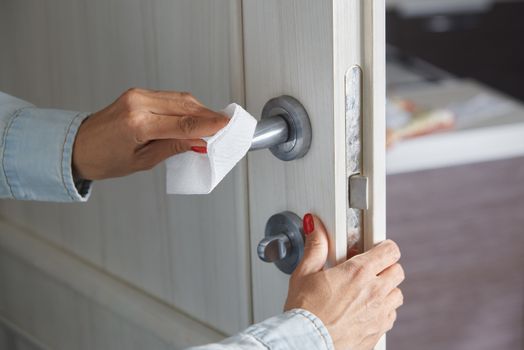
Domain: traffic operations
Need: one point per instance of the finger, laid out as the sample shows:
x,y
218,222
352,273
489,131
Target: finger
x,y
177,103
185,127
159,150
390,322
370,341
385,325
392,276
171,94
379,257
315,248
395,299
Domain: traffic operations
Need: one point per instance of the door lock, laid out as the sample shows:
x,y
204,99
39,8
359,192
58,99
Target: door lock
x,y
284,241
284,128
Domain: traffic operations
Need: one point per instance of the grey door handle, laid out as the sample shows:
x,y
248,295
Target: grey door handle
x,y
274,248
283,243
284,128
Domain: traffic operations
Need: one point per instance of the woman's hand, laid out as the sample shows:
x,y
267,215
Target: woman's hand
x,y
139,130
356,300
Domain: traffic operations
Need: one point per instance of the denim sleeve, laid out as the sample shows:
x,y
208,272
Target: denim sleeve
x,y
296,329
36,147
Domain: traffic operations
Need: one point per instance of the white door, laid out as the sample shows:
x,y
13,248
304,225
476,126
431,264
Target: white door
x,y
315,51
134,255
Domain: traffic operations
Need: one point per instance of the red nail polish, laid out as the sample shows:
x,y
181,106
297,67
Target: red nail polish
x,y
199,149
308,223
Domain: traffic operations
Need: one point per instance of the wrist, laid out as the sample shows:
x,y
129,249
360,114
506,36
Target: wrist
x,y
77,167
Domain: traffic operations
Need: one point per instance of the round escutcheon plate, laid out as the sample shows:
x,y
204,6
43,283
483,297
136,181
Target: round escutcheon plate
x,y
300,134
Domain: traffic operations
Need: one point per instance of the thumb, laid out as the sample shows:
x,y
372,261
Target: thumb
x,y
316,246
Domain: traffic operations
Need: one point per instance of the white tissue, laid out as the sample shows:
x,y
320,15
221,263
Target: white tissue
x,y
196,173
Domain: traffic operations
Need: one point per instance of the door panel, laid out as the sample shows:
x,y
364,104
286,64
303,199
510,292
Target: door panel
x,y
51,298
190,252
304,49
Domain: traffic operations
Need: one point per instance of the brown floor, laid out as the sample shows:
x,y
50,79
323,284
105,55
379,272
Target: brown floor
x,y
461,231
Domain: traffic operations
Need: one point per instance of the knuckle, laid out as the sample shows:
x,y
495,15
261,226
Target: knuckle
x,y
131,96
356,267
374,304
190,97
189,102
186,95
392,317
395,299
176,147
376,291
133,120
191,107
187,124
392,248
401,298
400,272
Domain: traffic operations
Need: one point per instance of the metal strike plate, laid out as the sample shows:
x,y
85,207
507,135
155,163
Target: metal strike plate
x,y
358,192
284,241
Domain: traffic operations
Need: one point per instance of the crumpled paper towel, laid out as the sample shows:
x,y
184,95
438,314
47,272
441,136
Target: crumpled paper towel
x,y
196,173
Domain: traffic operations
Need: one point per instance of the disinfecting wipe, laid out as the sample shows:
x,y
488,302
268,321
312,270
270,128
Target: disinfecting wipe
x,y
197,173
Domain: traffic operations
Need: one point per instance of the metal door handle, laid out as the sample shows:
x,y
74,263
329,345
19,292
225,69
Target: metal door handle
x,y
270,132
274,248
284,128
283,243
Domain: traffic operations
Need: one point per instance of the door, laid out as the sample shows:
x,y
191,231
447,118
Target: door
x,y
190,253
315,51
143,261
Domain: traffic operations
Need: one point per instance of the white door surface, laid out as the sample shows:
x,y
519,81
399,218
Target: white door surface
x,y
307,49
135,263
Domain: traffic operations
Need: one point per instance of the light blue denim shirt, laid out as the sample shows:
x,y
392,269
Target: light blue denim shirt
x,y
36,147
296,329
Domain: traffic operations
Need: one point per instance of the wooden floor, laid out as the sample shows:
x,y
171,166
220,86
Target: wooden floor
x,y
461,231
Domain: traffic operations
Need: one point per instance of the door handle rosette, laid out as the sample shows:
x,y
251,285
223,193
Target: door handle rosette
x,y
284,128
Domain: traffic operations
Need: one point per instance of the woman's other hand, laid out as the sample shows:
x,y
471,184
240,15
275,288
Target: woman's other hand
x,y
139,130
356,300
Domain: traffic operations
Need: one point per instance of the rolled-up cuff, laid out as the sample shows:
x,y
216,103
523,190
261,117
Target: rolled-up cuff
x,y
38,152
295,329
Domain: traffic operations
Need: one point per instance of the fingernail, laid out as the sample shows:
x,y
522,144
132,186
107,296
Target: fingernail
x,y
199,149
308,223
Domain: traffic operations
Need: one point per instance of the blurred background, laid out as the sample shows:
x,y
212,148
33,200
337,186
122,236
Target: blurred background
x,y
455,118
